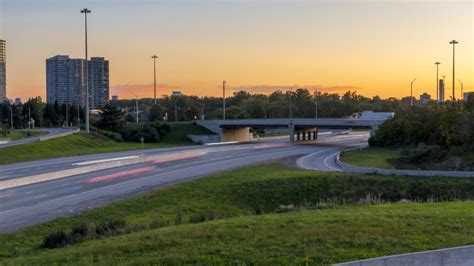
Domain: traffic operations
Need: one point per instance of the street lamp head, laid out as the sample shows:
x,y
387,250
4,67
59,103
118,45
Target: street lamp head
x,y
85,11
437,63
154,57
453,42
413,81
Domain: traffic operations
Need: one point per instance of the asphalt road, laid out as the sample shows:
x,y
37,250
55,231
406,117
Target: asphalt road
x,y
31,204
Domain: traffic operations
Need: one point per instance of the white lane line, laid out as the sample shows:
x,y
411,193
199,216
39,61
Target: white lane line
x,y
106,160
40,196
325,162
29,192
66,184
301,161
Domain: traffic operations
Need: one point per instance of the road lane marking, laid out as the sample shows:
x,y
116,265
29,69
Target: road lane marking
x,y
328,166
111,176
300,162
40,196
106,160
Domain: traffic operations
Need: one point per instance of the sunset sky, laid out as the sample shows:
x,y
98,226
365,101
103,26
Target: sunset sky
x,y
373,46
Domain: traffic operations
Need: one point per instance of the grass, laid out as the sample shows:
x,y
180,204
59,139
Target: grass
x,y
83,144
266,214
372,157
18,135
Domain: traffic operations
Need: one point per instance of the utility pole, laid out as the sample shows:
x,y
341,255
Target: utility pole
x,y
454,42
223,99
154,76
11,117
29,117
86,11
437,80
462,89
316,104
136,107
411,92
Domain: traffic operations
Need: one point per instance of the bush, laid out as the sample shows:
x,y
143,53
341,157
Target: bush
x,y
56,240
150,132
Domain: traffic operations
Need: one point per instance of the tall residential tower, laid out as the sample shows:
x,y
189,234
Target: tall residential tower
x,y
66,81
3,71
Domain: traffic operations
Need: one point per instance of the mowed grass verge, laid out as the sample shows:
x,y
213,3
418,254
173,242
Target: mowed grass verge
x,y
372,157
83,144
18,135
266,214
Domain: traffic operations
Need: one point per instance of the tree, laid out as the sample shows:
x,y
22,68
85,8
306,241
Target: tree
x,y
156,113
111,118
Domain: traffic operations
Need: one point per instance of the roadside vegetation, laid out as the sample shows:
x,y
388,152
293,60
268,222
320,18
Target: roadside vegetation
x,y
266,214
439,137
96,142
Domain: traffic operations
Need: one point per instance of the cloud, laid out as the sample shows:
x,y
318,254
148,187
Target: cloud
x,y
266,89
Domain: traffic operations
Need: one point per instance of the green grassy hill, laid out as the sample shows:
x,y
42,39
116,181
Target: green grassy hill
x,y
267,214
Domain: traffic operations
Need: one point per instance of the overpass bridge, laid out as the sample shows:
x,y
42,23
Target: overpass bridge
x,y
300,129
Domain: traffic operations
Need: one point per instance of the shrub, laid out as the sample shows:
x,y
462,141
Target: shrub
x,y
56,240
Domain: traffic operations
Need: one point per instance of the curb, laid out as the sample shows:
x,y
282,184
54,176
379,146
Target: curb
x,y
463,255
379,171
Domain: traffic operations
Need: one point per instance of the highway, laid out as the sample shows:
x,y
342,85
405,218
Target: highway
x,y
35,203
46,133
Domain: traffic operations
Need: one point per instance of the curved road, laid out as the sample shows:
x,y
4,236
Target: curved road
x,y
31,204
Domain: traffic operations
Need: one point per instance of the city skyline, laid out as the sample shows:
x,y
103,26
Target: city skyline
x,y
364,46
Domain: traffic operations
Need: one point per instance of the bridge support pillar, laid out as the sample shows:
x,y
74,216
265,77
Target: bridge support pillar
x,y
241,134
292,133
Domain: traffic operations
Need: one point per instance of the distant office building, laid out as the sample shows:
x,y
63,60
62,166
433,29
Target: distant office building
x,y
17,101
441,91
425,98
98,82
115,98
66,81
408,100
467,95
3,71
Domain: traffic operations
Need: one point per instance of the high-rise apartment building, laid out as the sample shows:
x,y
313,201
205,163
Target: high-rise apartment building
x,y
98,82
65,81
3,71
441,91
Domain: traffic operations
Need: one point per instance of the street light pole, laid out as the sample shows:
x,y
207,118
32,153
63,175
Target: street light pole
x,y
11,117
136,107
411,92
462,89
154,76
223,99
454,42
316,103
437,80
86,11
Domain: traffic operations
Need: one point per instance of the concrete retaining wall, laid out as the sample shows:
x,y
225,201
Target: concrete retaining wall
x,y
203,139
368,170
459,256
68,133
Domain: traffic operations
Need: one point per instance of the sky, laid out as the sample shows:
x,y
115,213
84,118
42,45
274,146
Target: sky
x,y
374,47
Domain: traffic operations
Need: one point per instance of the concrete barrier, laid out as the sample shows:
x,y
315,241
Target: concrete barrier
x,y
369,170
28,180
203,139
459,256
60,135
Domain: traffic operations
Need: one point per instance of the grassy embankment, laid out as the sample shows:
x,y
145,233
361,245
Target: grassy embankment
x,y
82,144
267,214
373,157
18,135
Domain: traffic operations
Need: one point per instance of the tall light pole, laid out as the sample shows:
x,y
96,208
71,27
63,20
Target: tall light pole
x,y
86,11
291,102
411,92
316,104
454,42
154,76
223,99
462,89
437,80
136,107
